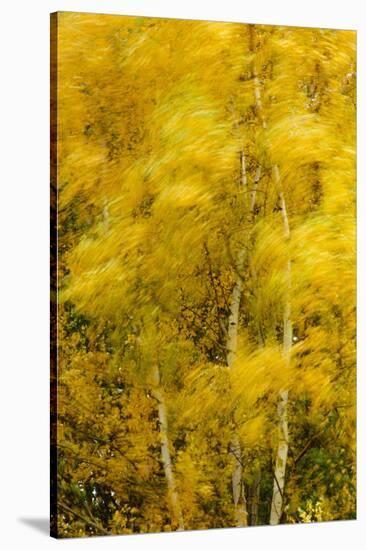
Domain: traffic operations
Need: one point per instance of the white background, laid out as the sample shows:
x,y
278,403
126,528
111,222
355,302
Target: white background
x,y
24,240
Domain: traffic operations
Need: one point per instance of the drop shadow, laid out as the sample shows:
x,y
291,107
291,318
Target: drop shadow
x,y
39,524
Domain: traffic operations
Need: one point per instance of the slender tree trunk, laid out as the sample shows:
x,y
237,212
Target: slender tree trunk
x,y
238,488
240,504
243,172
173,496
282,450
232,332
253,192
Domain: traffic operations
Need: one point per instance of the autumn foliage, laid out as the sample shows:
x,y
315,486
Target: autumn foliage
x,y
206,275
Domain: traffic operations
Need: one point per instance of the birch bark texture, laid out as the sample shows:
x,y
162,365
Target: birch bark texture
x,y
279,474
238,487
282,449
173,496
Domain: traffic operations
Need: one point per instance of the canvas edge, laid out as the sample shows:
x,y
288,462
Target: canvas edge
x,y
54,21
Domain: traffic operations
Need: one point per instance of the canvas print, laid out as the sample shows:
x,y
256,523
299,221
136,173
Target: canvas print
x,y
203,191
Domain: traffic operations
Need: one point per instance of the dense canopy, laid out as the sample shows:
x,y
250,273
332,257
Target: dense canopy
x,y
206,275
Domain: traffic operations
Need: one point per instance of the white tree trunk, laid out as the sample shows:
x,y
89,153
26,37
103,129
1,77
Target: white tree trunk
x,y
165,453
243,171
282,450
253,192
232,332
238,486
238,489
